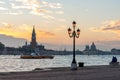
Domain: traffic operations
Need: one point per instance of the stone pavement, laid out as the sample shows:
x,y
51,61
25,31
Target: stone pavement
x,y
83,73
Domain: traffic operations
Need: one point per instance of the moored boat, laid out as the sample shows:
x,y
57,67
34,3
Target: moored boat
x,y
34,56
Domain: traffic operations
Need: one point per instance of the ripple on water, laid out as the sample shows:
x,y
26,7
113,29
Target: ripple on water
x,y
14,63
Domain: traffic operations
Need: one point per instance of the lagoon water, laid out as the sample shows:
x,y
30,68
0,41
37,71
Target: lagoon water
x,y
10,63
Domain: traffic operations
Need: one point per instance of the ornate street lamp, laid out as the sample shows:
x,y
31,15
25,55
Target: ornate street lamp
x,y
74,35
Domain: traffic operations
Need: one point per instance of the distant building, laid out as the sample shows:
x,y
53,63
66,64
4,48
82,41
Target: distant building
x,y
4,52
87,48
93,51
1,47
33,46
115,51
33,43
93,47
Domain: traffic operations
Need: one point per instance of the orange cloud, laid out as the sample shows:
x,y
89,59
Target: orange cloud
x,y
23,31
109,26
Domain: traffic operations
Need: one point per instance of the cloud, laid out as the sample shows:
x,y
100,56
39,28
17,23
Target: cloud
x,y
27,2
45,9
15,13
109,26
54,5
48,17
48,34
23,31
51,5
62,20
2,8
1,2
36,7
59,12
14,6
39,12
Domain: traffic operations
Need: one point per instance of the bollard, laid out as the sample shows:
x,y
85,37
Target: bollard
x,y
81,64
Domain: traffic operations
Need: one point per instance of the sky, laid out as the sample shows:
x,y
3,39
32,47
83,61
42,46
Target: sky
x,y
98,20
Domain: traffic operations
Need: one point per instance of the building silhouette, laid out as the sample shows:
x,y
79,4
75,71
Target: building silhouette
x,y
33,46
87,48
93,47
93,50
33,43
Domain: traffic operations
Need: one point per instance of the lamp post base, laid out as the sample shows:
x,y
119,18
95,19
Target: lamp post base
x,y
73,66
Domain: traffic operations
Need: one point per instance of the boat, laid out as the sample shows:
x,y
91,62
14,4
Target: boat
x,y
34,56
114,63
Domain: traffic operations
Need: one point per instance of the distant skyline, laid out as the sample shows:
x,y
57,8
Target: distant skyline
x,y
99,21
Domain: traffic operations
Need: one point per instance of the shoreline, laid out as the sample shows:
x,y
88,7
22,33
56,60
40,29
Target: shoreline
x,y
103,72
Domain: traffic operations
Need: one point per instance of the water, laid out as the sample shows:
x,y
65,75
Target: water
x,y
14,63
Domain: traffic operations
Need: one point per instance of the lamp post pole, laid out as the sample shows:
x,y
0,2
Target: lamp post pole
x,y
74,35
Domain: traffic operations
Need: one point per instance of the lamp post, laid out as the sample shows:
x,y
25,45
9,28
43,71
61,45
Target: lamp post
x,y
74,34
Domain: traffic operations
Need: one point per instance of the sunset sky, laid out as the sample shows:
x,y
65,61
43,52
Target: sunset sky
x,y
99,21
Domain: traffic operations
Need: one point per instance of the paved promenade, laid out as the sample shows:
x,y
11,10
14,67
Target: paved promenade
x,y
84,73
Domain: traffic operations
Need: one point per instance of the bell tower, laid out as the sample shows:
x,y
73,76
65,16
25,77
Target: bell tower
x,y
33,43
